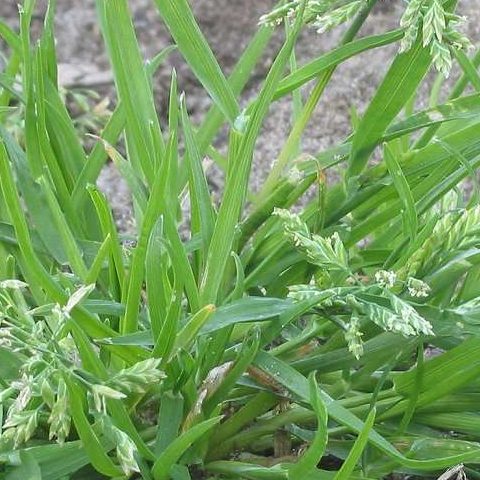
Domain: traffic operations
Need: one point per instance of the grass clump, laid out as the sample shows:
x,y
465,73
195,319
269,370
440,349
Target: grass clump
x,y
263,344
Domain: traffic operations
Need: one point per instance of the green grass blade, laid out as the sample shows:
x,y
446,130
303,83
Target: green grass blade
x,y
158,287
116,267
202,211
291,379
462,108
28,468
348,466
163,464
310,105
129,174
237,178
133,86
189,332
399,84
154,208
311,70
95,161
196,51
170,416
90,441
34,199
468,68
181,264
63,137
72,249
245,356
311,458
404,192
99,261
237,81
154,63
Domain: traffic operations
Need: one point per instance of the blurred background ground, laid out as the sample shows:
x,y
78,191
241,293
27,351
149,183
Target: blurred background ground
x,y
228,26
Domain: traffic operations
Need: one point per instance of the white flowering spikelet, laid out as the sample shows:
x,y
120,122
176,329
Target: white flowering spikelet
x,y
353,337
138,378
438,29
386,278
417,288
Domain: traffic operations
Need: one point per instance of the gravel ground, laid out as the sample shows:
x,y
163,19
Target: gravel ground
x,y
228,26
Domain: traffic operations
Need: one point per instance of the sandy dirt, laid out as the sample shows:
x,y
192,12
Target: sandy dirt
x,y
228,26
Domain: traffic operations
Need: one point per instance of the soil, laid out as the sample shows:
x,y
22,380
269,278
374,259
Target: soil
x,y
228,26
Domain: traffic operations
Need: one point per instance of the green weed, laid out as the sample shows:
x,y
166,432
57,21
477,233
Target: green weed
x,y
264,342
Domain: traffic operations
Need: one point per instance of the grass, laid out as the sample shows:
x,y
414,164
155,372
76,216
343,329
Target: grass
x,y
264,344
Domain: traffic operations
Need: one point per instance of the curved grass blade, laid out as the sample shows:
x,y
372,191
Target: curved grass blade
x,y
462,108
163,464
153,64
311,458
90,441
297,384
250,309
348,466
10,37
